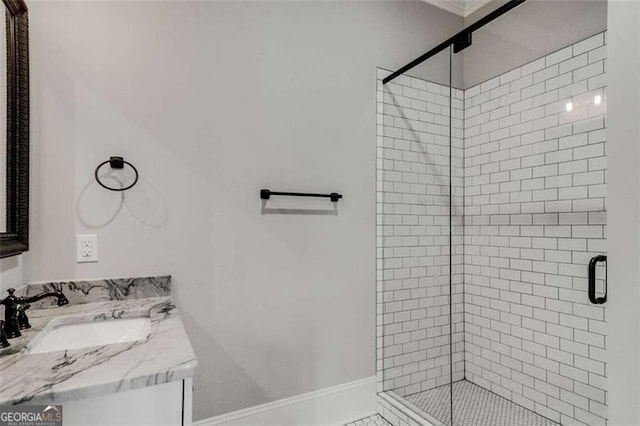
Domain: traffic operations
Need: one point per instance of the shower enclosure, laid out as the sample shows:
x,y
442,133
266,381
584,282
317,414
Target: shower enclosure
x,y
491,203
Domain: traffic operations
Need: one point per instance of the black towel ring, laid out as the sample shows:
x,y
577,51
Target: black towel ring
x,y
116,163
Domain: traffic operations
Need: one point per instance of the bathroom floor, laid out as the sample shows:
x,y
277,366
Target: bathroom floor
x,y
475,406
375,420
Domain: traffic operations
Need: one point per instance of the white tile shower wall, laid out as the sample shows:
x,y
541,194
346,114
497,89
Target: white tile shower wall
x,y
413,234
535,213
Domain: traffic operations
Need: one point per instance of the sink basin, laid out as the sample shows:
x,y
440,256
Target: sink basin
x,y
94,333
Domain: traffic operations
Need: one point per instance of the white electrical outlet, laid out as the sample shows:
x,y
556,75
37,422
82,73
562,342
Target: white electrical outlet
x,y
86,248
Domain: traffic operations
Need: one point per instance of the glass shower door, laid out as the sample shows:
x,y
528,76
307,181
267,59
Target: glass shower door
x,y
491,208
419,238
535,215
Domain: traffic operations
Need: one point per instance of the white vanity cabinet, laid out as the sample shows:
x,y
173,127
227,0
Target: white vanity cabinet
x,y
159,405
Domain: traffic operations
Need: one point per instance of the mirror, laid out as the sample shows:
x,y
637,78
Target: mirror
x,y
3,127
14,134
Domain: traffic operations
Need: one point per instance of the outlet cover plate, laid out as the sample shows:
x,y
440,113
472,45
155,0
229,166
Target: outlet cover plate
x,y
86,248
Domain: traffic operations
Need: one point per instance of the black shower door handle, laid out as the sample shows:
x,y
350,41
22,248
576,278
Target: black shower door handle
x,y
592,280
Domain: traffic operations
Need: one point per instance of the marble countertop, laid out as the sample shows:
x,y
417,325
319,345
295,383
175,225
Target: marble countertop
x,y
54,377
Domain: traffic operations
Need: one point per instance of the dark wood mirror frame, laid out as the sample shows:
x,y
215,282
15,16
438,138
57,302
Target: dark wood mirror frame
x,y
16,238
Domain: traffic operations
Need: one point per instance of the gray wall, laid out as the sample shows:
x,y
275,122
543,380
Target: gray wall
x,y
623,300
531,30
212,101
11,273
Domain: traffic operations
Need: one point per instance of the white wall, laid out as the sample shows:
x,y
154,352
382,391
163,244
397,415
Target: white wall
x,y
11,273
623,303
212,101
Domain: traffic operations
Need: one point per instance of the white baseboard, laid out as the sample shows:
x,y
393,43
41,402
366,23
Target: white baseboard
x,y
336,405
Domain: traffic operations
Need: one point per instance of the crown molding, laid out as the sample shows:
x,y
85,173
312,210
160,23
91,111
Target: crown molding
x,y
453,6
460,7
473,5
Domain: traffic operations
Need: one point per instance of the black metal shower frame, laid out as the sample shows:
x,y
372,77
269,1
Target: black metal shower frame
x,y
460,41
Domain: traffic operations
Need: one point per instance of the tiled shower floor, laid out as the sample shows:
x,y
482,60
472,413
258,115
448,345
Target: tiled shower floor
x,y
475,406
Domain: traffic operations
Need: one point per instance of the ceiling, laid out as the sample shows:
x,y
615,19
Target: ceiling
x,y
459,7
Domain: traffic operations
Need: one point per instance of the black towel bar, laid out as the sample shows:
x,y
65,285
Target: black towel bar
x,y
265,194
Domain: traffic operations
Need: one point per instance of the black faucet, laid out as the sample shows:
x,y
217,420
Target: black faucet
x,y
15,318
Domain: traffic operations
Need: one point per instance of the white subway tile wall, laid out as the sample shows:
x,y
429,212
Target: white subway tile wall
x,y
535,203
413,234
529,185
